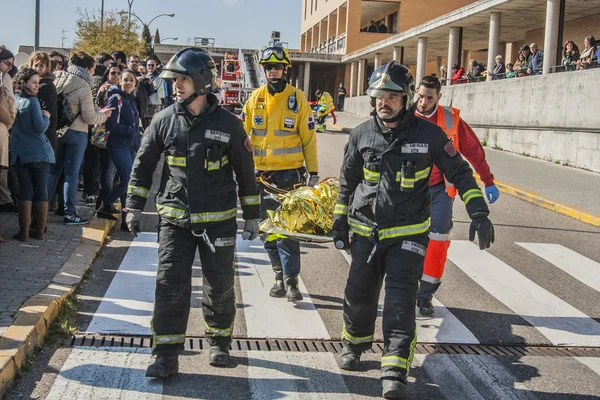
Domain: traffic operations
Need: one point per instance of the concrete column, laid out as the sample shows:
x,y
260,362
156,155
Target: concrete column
x,y
438,65
494,41
352,78
307,79
551,36
377,60
465,58
294,78
421,58
361,77
397,50
300,77
452,51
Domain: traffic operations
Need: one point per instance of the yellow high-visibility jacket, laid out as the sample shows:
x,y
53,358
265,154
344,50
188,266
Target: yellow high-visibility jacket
x,y
325,104
281,129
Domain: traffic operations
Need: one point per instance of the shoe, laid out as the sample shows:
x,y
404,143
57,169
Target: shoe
x,y
40,213
278,289
9,208
107,212
124,227
425,308
350,360
24,221
219,357
163,367
74,220
91,200
80,187
394,389
291,288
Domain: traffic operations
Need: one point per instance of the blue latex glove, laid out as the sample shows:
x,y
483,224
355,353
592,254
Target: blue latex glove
x,y
492,193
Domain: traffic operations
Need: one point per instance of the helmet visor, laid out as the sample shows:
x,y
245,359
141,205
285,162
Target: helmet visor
x,y
273,55
380,94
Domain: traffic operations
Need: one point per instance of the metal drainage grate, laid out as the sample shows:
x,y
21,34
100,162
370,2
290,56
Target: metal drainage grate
x,y
335,346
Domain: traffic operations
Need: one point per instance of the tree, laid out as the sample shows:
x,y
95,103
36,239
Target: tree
x,y
146,45
92,39
156,37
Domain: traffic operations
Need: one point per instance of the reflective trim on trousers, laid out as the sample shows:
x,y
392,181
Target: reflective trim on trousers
x,y
213,216
216,331
138,191
471,194
355,340
168,339
176,161
286,151
340,209
250,200
394,361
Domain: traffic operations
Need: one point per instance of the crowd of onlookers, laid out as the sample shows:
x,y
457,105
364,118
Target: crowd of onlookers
x,y
69,125
529,62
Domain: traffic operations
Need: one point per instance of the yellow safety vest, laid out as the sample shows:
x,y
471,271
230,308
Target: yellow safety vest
x,y
326,103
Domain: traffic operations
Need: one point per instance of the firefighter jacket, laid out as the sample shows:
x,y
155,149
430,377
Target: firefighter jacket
x,y
281,129
384,182
201,154
325,105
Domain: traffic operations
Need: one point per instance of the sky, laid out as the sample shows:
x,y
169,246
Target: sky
x,y
232,23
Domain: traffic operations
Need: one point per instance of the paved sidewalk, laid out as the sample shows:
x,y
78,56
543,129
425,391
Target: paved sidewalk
x,y
566,186
26,268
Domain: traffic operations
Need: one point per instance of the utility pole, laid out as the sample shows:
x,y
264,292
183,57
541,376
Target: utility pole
x,y
102,15
130,2
36,42
62,39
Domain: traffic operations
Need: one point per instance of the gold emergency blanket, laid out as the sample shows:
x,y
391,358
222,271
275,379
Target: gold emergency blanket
x,y
307,209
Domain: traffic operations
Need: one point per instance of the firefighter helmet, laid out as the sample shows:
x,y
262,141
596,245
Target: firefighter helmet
x,y
198,65
393,77
275,55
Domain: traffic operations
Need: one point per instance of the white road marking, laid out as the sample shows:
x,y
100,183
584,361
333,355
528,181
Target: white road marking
x,y
267,316
289,375
573,263
592,363
129,301
560,322
106,373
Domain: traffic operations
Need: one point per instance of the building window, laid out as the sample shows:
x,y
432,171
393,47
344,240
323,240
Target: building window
x,y
312,4
393,23
316,4
341,43
305,7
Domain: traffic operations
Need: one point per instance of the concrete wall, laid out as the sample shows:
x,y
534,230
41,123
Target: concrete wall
x,y
553,117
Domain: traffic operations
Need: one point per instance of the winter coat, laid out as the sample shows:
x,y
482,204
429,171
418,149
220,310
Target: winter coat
x,y
75,84
11,105
47,98
124,123
29,143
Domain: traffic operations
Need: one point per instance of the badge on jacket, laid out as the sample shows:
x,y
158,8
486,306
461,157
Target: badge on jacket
x,y
217,135
289,122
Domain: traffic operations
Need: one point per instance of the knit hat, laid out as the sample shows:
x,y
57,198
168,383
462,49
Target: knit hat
x,y
5,54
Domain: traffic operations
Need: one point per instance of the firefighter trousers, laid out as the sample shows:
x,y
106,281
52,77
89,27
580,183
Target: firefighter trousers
x,y
439,241
398,265
176,251
284,253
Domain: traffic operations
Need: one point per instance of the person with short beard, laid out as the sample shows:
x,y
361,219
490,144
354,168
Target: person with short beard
x,y
384,199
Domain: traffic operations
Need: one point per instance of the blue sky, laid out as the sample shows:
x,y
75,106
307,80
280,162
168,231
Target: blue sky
x,y
233,23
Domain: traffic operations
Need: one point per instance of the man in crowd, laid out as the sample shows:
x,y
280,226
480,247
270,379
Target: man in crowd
x,y
324,108
341,97
281,126
384,199
157,99
536,61
441,190
144,89
203,146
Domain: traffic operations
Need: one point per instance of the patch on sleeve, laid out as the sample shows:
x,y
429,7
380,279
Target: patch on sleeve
x,y
217,135
311,123
225,242
414,247
450,149
248,145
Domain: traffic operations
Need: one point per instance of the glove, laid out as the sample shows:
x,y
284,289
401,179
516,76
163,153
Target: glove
x,y
133,221
485,231
341,240
492,193
313,180
251,229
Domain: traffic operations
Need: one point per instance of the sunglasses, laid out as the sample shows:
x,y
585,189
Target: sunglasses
x,y
115,73
7,63
278,67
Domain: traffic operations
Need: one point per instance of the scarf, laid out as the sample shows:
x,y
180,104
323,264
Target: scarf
x,y
80,72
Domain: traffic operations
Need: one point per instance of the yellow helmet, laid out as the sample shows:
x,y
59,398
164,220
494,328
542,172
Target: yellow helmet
x,y
275,55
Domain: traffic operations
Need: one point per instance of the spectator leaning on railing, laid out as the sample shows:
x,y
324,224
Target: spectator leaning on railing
x,y
570,56
499,69
587,59
510,72
520,66
536,61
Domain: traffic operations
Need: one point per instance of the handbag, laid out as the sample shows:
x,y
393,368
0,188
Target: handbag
x,y
100,134
6,103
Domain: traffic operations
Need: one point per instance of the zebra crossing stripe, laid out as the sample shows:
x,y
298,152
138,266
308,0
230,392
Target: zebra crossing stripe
x,y
560,322
573,263
128,303
267,316
592,363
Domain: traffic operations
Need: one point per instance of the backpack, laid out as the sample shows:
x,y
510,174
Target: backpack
x,y
100,134
64,116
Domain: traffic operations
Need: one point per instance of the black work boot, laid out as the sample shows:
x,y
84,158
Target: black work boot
x,y
278,289
291,287
425,308
219,356
350,360
394,389
163,367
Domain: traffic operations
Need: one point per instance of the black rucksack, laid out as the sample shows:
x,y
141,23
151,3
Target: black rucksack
x,y
64,116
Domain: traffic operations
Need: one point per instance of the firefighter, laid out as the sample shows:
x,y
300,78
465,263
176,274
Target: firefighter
x,y
324,108
384,200
442,191
281,126
203,146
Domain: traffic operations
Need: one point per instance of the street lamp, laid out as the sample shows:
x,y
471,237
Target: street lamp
x,y
172,38
148,24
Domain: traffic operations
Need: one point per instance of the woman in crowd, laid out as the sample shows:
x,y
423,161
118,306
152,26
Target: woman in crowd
x,y
31,154
587,55
124,139
42,64
75,85
8,112
510,72
570,56
58,60
520,66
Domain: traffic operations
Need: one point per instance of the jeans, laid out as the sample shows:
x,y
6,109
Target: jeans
x,y
123,159
69,155
33,180
107,173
